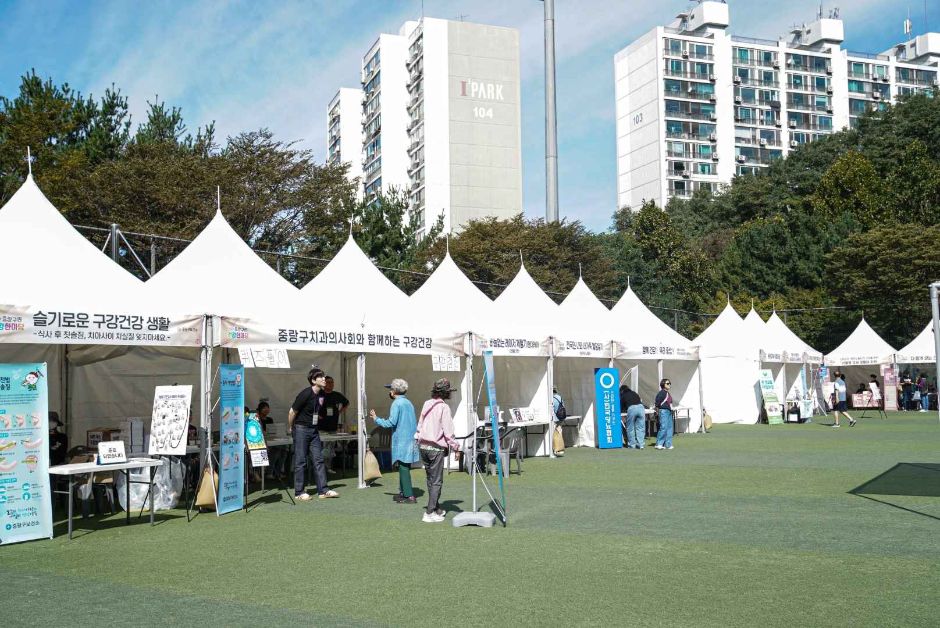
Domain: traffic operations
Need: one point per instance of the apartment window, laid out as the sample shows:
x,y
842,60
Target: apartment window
x,y
819,64
797,81
770,117
857,69
373,83
771,137
822,83
700,50
824,122
880,71
857,87
704,69
822,102
748,95
768,77
672,86
676,66
704,167
882,89
742,135
768,57
674,46
743,55
705,151
857,107
374,146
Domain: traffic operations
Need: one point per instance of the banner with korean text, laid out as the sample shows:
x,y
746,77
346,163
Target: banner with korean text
x,y
25,498
38,325
607,408
772,404
231,435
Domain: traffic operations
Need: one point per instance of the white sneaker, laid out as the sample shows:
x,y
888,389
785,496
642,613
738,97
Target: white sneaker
x,y
670,447
432,517
658,447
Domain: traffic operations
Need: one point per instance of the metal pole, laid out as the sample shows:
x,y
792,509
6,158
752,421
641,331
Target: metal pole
x,y
361,411
114,242
935,306
153,257
551,127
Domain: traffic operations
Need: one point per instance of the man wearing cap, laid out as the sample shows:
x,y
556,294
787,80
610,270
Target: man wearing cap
x,y
435,435
401,419
302,421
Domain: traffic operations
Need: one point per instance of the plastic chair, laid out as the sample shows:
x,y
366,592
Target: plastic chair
x,y
511,445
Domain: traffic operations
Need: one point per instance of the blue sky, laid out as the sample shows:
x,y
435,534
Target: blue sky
x,y
248,65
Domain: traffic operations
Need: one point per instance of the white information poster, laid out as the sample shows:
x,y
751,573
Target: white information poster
x,y
445,362
245,357
169,423
251,357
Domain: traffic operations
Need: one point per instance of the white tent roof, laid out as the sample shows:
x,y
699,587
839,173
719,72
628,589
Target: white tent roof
x,y
583,324
354,289
52,265
863,347
449,304
727,336
921,350
512,314
218,273
793,347
644,334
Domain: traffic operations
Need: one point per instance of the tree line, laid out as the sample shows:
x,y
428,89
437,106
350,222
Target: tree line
x,y
845,226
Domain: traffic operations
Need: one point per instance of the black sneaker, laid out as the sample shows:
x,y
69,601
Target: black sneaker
x,y
398,498
408,500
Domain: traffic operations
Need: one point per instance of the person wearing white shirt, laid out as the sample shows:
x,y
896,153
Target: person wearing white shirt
x,y
840,405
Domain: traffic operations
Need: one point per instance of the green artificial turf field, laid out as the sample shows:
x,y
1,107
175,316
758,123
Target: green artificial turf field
x,y
746,526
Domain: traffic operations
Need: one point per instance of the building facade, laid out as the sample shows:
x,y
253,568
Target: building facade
x,y
441,120
344,131
696,105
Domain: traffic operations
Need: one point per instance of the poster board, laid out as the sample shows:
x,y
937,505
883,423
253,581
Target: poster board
x,y
890,394
25,498
607,408
772,404
169,423
231,433
445,362
253,357
254,440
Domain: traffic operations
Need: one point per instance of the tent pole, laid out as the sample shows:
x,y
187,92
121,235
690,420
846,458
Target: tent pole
x,y
471,418
550,380
65,401
701,399
935,307
361,411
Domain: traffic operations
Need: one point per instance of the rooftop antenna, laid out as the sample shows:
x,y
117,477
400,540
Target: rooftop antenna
x,y
628,282
460,16
218,198
521,261
579,271
29,161
350,227
447,243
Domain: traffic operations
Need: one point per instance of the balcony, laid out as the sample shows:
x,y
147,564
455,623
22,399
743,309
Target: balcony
x,y
805,106
696,76
698,137
690,115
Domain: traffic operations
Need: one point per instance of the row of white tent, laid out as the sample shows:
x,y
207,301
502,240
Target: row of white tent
x,y
109,337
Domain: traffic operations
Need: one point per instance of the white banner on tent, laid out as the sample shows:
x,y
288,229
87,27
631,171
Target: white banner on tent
x,y
504,346
262,358
237,332
34,325
566,347
655,351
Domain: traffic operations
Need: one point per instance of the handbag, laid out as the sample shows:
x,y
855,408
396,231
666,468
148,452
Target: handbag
x,y
370,467
558,441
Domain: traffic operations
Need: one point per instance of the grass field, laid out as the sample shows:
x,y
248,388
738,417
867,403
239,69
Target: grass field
x,y
796,525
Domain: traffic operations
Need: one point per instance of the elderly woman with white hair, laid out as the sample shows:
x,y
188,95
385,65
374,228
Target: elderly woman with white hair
x,y
401,419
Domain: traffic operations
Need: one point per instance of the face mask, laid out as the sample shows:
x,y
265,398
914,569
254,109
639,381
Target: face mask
x,y
391,395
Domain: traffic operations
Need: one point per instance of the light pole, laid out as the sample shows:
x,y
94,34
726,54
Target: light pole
x,y
551,128
935,310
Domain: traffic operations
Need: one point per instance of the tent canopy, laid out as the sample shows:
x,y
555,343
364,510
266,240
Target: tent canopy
x,y
863,347
921,350
448,303
793,348
522,318
727,336
583,324
643,335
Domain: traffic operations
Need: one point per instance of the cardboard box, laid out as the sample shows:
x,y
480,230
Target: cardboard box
x,y
97,434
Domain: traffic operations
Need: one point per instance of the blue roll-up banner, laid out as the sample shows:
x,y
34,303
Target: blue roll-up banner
x,y
25,497
231,433
607,408
490,375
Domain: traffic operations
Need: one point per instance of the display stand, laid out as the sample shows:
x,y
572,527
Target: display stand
x,y
282,482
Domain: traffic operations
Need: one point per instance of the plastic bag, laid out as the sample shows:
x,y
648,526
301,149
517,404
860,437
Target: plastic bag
x,y
167,486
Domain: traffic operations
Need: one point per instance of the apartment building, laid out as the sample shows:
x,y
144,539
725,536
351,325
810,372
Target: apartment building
x,y
344,131
696,105
441,120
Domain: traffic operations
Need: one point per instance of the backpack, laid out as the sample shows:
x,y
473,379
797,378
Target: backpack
x,y
561,413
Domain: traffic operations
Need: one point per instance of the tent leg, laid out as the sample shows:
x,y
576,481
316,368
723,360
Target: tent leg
x,y
361,392
701,400
550,381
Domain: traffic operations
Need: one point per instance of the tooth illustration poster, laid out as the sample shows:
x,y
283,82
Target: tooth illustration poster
x,y
25,504
232,431
169,423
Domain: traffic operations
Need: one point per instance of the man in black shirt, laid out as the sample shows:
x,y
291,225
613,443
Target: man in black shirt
x,y
334,405
635,423
302,420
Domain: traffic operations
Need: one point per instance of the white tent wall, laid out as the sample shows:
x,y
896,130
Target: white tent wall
x,y
684,375
574,379
793,374
521,382
730,393
110,384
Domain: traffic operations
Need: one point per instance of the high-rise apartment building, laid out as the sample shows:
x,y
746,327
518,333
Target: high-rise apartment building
x,y
344,131
441,120
696,105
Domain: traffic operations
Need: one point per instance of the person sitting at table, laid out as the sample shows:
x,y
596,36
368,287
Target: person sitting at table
x,y
58,442
261,414
403,422
631,403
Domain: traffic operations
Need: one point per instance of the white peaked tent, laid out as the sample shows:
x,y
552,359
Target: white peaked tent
x,y
730,364
860,355
66,301
584,336
452,307
789,364
653,350
518,333
921,350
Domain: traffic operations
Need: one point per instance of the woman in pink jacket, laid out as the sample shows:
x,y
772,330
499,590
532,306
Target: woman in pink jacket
x,y
435,435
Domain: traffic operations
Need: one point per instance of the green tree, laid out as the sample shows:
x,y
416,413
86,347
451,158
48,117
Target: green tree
x,y
886,272
852,186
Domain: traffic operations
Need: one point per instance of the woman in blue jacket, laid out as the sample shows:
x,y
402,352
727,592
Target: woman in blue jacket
x,y
401,419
